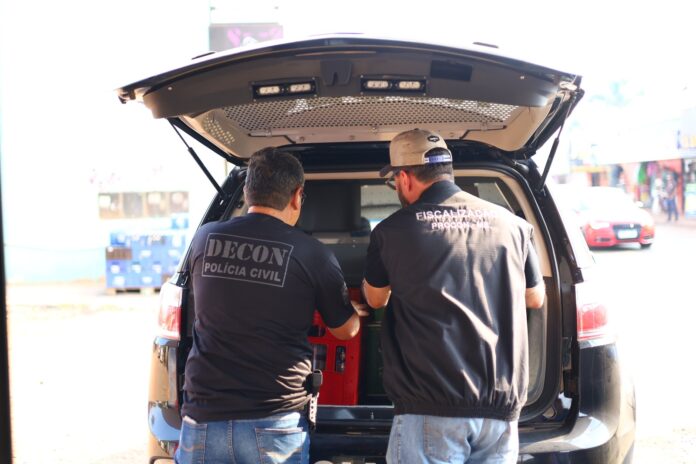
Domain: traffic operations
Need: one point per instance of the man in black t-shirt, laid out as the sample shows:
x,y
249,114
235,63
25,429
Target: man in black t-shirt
x,y
457,273
256,281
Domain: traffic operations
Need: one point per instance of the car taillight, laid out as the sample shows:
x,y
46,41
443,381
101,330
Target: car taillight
x,y
592,315
169,318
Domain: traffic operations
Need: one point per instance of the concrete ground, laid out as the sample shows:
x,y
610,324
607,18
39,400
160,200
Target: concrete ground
x,y
79,364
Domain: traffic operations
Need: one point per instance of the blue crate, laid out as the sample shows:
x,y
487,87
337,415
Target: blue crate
x,y
135,268
145,254
120,239
133,280
156,267
117,273
117,266
174,254
155,254
171,267
180,222
117,281
149,280
178,241
139,242
156,240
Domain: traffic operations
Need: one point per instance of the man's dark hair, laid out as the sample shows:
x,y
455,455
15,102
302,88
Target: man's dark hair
x,y
272,178
430,172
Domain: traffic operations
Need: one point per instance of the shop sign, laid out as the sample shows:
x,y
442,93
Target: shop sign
x,y
226,36
690,200
686,141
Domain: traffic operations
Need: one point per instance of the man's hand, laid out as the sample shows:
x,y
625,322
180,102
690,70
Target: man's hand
x,y
352,326
360,308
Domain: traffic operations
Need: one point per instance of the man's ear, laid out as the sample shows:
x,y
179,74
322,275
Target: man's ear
x,y
406,183
296,199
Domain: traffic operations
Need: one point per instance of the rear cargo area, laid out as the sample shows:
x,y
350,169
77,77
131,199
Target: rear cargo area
x,y
352,369
341,214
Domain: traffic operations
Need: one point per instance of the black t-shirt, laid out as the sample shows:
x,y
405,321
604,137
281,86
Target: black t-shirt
x,y
256,282
454,337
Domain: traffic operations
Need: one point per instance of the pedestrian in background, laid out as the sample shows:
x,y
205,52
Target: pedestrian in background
x,y
671,199
256,281
457,273
657,196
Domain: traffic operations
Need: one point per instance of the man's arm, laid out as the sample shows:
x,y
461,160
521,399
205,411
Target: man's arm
x,y
534,297
536,290
340,314
351,327
376,297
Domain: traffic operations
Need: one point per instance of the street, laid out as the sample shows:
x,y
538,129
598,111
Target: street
x,y
652,298
79,363
80,359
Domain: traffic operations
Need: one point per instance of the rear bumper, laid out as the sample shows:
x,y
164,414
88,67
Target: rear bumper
x,y
605,238
610,242
596,427
604,422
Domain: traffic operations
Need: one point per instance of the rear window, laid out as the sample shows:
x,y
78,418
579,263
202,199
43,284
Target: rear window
x,y
342,213
565,203
357,206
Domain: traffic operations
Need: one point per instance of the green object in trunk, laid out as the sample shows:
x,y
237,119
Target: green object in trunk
x,y
374,391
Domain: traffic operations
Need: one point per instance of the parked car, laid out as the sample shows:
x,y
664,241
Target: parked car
x,y
335,102
607,216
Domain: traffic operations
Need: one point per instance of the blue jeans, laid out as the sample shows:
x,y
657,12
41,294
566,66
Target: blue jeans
x,y
672,209
282,438
419,439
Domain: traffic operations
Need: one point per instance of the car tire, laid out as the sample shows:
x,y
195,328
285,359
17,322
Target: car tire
x,y
645,245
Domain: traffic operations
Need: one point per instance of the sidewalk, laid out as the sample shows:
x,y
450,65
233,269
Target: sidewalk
x,y
682,222
81,295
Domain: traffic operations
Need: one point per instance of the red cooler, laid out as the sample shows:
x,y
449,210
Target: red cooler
x,y
338,360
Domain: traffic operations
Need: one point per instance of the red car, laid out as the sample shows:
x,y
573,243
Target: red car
x,y
607,216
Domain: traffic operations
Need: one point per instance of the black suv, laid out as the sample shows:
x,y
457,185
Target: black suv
x,y
335,102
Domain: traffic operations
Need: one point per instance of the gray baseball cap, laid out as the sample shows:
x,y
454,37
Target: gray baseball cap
x,y
411,147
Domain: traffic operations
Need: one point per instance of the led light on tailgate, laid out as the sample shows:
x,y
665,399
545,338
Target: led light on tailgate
x,y
281,89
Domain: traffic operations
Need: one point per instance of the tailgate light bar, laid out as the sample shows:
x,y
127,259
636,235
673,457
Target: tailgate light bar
x,y
280,89
169,316
392,84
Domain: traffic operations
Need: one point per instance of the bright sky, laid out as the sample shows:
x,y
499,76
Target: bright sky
x,y
598,39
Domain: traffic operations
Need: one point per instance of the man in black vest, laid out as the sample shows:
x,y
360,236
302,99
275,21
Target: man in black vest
x,y
256,283
457,273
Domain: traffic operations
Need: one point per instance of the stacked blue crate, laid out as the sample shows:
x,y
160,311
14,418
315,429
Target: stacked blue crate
x,y
118,259
178,242
144,249
137,261
116,273
175,253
